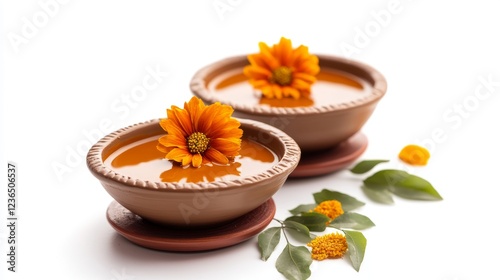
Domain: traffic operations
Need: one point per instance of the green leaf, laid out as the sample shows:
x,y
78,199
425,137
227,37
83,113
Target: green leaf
x,y
385,178
403,184
302,208
380,195
313,221
366,165
349,203
414,187
298,227
356,244
294,262
268,240
351,220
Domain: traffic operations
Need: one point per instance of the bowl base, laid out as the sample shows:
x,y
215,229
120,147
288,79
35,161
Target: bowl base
x,y
330,160
164,238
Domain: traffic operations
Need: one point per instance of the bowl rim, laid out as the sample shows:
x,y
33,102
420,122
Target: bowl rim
x,y
285,165
379,88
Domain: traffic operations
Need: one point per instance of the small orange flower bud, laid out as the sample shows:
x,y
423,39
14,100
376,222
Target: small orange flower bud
x,y
330,208
414,155
332,245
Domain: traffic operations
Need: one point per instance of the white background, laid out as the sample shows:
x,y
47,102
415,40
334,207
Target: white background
x,y
66,77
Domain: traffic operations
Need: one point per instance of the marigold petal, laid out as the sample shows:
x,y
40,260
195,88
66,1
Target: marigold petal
x,y
263,47
215,156
173,140
220,125
257,72
187,160
305,77
299,54
233,130
313,59
266,55
163,140
162,148
300,84
205,160
226,145
208,115
182,120
277,91
291,92
267,91
171,127
256,60
309,69
284,51
197,160
177,154
194,107
259,84
229,129
227,133
164,123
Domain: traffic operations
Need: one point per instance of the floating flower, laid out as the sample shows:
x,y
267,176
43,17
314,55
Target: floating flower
x,y
332,245
200,134
281,71
330,208
414,155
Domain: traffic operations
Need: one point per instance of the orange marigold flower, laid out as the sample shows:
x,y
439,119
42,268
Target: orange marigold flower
x,y
414,155
330,208
200,134
332,245
281,71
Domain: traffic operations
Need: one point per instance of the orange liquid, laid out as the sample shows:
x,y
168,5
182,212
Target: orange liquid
x,y
143,161
331,88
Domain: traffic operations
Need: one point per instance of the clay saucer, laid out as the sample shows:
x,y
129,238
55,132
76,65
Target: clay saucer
x,y
178,239
330,160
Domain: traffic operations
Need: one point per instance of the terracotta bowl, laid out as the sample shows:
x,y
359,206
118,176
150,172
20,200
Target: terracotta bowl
x,y
193,204
315,126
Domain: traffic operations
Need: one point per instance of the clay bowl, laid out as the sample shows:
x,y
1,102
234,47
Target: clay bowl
x,y
342,100
193,204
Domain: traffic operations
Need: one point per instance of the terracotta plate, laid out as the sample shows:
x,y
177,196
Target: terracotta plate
x,y
154,236
327,161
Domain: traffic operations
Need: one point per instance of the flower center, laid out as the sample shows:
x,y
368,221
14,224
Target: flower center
x,y
282,76
197,142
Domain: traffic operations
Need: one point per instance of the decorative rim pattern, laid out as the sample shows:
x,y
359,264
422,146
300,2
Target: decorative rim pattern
x,y
286,164
204,75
